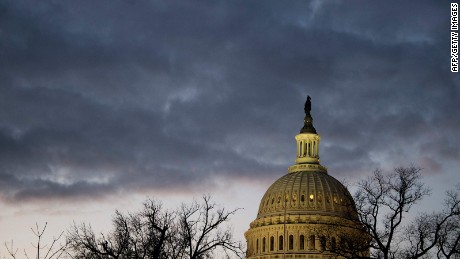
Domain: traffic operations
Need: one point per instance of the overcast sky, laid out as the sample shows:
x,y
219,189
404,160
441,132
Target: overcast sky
x,y
111,98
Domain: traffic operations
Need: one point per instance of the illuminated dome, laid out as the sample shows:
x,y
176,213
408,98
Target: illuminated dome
x,y
306,213
306,193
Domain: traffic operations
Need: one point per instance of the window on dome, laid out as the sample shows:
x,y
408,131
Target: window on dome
x,y
322,242
302,242
333,244
328,199
257,245
312,242
280,243
263,244
301,149
294,197
272,243
302,198
273,200
312,197
335,199
291,242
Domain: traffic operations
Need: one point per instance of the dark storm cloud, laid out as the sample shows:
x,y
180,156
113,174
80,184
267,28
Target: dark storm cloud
x,y
98,98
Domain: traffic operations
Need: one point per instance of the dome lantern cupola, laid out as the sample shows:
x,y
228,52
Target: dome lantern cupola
x,y
307,144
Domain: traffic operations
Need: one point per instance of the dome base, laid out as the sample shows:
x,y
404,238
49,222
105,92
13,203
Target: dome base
x,y
307,168
299,240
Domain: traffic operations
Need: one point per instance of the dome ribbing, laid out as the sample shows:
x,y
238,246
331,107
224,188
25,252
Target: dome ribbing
x,y
314,193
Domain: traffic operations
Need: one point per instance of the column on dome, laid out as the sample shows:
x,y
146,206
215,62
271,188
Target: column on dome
x,y
299,150
307,148
316,149
317,243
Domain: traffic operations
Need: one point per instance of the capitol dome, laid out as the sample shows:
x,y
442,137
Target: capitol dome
x,y
306,213
306,193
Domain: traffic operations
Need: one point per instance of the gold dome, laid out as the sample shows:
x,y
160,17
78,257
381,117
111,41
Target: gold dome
x,y
306,212
307,193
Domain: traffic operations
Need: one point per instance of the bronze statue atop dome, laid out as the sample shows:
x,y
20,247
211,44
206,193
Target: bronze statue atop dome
x,y
307,108
308,121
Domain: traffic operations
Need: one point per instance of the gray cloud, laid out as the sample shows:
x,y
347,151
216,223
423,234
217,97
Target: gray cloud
x,y
98,98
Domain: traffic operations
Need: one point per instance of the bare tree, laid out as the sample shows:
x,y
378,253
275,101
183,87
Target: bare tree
x,y
141,235
55,250
437,230
449,235
421,236
382,202
200,233
192,231
338,241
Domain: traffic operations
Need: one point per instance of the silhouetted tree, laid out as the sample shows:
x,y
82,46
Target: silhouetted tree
x,y
193,232
141,235
382,203
436,231
55,250
449,234
337,241
200,232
